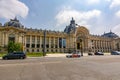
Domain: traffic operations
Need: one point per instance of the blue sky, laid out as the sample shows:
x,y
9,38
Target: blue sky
x,y
98,16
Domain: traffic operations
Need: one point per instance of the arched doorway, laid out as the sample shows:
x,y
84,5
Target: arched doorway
x,y
82,38
80,45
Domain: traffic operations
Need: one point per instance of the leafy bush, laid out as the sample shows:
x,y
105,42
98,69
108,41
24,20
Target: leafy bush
x,y
2,53
34,54
14,47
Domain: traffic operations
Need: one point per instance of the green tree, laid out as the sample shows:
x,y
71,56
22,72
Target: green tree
x,y
10,46
18,47
14,47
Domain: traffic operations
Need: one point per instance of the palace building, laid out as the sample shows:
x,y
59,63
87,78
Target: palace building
x,y
72,38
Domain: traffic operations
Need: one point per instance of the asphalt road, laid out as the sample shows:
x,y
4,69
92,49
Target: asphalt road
x,y
61,68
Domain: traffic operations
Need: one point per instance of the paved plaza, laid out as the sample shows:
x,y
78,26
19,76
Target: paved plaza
x,y
61,68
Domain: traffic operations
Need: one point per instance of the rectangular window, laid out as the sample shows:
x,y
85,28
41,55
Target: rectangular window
x,y
38,45
56,42
33,45
64,43
28,39
33,39
38,39
60,42
41,45
47,45
42,40
28,45
47,40
52,42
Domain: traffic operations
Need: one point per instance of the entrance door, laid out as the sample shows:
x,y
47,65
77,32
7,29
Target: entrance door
x,y
12,38
78,45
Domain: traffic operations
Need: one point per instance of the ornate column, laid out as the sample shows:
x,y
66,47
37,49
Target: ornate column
x,y
100,45
58,42
35,41
22,38
7,38
109,45
30,40
24,41
3,39
0,38
49,42
93,45
54,42
85,45
17,40
103,45
40,41
75,43
106,46
96,48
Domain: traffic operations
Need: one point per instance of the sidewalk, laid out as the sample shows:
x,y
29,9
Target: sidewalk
x,y
56,55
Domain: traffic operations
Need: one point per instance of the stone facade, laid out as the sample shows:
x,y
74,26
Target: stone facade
x,y
73,38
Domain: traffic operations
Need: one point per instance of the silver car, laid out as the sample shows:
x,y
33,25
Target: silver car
x,y
73,54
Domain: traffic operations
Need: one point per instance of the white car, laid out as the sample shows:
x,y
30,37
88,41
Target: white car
x,y
73,54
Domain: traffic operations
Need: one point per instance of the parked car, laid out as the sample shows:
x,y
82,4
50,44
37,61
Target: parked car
x,y
73,54
115,53
15,55
99,53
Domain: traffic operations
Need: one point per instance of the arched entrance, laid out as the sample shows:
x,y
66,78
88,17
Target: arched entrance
x,y
82,39
80,45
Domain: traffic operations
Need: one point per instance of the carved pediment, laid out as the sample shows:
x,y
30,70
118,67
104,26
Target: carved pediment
x,y
12,30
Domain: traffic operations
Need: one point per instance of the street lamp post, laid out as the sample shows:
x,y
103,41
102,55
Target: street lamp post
x,y
44,44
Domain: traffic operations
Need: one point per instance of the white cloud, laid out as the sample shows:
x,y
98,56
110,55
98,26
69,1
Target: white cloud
x,y
115,3
116,29
11,8
117,13
92,1
65,15
108,0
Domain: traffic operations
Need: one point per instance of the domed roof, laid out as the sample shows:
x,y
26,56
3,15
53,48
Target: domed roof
x,y
110,35
14,22
71,27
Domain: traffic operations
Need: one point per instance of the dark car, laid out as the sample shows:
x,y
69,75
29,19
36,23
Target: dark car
x,y
115,53
15,55
99,53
